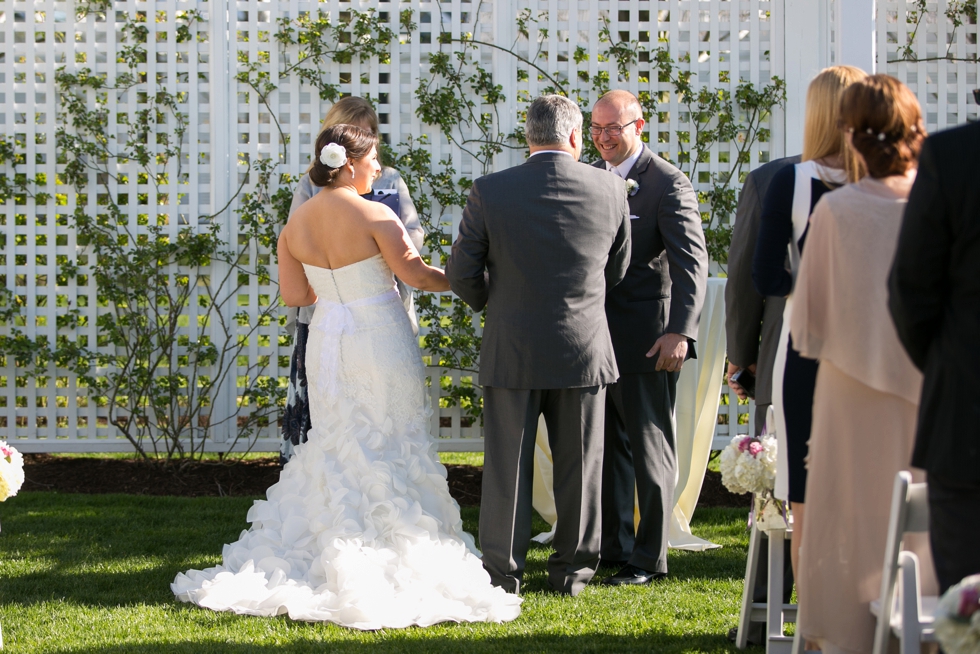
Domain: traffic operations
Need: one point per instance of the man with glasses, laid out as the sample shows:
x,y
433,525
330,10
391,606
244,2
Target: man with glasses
x,y
653,319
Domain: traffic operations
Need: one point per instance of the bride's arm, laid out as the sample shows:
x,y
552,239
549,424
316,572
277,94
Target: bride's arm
x,y
294,287
400,254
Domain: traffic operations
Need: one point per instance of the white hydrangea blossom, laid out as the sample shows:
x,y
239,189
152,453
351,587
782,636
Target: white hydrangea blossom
x,y
748,465
11,471
729,457
956,632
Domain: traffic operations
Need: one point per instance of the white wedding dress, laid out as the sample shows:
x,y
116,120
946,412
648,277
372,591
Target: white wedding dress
x,y
360,530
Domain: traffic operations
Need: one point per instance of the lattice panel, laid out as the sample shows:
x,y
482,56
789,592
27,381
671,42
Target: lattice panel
x,y
230,126
945,73
52,412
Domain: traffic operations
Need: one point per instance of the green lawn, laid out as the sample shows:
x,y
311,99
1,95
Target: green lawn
x,y
91,573
462,458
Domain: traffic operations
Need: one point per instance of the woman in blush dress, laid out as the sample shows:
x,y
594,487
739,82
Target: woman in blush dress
x,y
792,194
360,530
867,391
388,188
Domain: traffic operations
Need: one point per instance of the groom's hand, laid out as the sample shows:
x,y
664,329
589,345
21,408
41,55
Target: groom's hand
x,y
672,349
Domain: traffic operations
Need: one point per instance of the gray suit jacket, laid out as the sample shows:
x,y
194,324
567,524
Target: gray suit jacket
x,y
539,245
752,322
664,287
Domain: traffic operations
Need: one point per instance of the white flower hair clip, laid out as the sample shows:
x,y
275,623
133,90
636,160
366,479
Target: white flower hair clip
x,y
333,155
632,186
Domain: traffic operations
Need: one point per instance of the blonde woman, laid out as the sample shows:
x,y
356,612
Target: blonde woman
x,y
388,188
792,194
867,391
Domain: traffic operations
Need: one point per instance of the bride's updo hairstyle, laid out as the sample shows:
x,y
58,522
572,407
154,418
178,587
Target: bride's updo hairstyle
x,y
885,123
357,143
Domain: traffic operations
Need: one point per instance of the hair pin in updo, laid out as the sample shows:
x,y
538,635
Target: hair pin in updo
x,y
881,135
333,155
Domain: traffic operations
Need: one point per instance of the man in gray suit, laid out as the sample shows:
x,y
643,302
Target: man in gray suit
x,y
653,318
538,245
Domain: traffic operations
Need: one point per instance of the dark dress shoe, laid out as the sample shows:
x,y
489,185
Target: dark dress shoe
x,y
630,575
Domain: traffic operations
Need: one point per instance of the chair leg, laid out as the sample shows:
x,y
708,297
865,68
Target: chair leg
x,y
911,633
751,574
774,604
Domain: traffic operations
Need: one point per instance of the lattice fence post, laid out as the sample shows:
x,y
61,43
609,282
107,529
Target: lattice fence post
x,y
224,182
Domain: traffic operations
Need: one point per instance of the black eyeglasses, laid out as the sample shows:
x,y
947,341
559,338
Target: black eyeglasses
x,y
612,130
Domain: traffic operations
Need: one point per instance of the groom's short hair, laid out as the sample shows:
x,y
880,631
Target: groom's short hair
x,y
551,119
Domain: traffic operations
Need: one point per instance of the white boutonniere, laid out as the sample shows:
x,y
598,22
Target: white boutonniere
x,y
632,186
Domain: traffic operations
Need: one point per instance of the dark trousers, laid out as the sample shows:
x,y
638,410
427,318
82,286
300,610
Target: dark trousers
x,y
799,383
574,420
954,529
640,451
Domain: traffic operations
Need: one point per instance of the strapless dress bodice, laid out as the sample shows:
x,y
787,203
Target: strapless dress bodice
x,y
363,279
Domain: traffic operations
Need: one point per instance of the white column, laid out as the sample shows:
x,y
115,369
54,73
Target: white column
x,y
504,67
855,28
224,182
806,49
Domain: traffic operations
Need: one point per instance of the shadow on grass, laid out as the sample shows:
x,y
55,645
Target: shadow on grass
x,y
525,644
121,550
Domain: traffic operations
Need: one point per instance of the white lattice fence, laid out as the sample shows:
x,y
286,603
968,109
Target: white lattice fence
x,y
230,126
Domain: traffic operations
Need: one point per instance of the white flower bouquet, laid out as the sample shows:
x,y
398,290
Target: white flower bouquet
x,y
11,471
958,618
748,465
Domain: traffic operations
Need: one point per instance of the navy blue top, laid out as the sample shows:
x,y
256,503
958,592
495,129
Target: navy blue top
x,y
770,272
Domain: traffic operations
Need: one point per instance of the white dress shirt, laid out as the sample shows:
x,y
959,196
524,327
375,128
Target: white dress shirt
x,y
550,152
624,168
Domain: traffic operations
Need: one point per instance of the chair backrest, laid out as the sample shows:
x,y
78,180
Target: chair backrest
x,y
909,513
917,508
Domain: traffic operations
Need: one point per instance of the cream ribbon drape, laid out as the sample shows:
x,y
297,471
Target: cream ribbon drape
x,y
695,415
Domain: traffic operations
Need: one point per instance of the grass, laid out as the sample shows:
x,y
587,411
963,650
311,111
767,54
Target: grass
x,y
91,574
462,458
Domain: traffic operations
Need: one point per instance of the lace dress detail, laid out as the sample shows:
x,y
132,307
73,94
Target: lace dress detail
x,y
360,530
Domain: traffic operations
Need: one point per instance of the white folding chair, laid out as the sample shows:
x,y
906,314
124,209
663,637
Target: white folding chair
x,y
900,608
773,613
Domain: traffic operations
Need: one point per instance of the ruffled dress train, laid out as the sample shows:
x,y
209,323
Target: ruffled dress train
x,y
360,530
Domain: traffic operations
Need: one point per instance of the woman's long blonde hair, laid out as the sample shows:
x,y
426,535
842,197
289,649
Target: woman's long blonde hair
x,y
822,133
351,110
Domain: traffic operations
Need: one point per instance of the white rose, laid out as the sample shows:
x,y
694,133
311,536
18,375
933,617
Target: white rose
x,y
333,155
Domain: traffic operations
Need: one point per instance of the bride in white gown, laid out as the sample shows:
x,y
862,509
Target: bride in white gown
x,y
360,530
